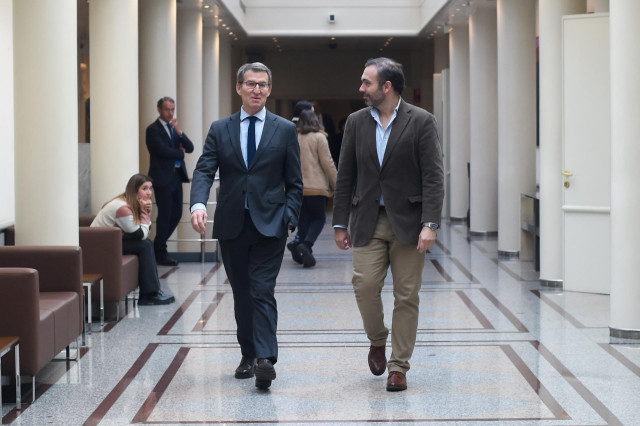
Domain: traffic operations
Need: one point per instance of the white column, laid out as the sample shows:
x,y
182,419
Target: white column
x,y
459,123
189,102
516,117
114,97
210,77
550,78
46,122
625,173
157,63
7,167
483,139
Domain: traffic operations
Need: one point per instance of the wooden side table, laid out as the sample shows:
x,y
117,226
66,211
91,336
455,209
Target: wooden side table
x,y
6,344
88,281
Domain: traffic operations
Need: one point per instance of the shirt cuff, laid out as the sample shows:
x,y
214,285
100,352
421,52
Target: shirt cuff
x,y
198,206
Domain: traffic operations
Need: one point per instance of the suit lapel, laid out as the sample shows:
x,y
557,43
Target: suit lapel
x,y
164,131
399,124
233,127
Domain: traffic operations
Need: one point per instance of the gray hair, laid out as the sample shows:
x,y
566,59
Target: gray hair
x,y
164,99
255,67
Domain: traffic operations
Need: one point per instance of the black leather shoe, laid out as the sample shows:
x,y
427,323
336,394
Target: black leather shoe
x,y
307,257
159,298
246,368
166,261
294,253
265,373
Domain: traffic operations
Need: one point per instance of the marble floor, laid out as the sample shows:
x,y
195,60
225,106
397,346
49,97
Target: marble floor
x,y
493,347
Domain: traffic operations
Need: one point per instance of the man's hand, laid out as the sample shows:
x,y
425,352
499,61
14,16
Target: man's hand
x,y
426,240
176,126
199,221
342,238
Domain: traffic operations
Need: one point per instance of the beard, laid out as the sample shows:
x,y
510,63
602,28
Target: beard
x,y
374,99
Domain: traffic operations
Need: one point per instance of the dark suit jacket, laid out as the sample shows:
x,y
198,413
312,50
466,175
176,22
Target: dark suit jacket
x,y
273,182
163,156
410,178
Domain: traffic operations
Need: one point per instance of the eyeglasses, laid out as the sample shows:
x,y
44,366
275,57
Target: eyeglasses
x,y
252,85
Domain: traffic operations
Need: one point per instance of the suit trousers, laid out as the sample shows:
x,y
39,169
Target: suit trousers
x,y
312,218
148,280
169,202
252,263
370,265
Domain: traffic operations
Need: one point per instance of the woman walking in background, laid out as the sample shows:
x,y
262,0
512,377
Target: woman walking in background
x,y
318,179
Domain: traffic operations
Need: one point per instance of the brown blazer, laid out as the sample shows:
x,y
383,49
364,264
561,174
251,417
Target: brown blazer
x,y
410,178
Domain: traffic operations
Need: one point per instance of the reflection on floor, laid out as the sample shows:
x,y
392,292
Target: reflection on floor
x,y
493,347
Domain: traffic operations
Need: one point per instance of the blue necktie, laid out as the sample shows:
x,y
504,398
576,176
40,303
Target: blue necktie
x,y
173,139
251,140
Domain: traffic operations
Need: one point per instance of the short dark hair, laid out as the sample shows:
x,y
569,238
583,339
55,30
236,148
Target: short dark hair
x,y
255,67
388,70
164,99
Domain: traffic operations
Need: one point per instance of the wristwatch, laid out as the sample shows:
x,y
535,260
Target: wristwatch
x,y
432,225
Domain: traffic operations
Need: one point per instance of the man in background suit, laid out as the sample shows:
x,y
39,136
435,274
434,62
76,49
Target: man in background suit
x,y
167,144
258,156
390,186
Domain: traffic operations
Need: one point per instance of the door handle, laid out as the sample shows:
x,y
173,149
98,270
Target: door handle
x,y
567,174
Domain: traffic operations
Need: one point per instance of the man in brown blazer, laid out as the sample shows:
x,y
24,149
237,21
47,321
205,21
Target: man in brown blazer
x,y
387,205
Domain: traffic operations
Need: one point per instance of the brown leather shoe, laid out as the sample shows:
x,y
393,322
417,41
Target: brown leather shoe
x,y
397,381
377,360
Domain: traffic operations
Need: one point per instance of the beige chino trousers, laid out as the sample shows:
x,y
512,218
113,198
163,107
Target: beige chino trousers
x,y
370,265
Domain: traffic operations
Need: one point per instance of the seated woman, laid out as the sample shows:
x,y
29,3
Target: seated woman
x,y
131,212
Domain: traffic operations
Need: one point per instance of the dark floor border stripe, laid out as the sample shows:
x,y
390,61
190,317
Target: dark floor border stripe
x,y
442,271
443,248
108,326
621,358
121,387
505,311
207,314
152,400
553,305
465,271
178,313
169,272
577,385
507,270
474,243
42,387
211,273
475,311
535,384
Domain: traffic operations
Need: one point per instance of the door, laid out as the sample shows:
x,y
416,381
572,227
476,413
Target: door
x,y
586,173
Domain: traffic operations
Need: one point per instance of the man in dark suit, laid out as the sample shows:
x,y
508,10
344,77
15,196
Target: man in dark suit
x,y
258,156
167,144
390,187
